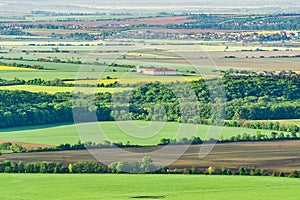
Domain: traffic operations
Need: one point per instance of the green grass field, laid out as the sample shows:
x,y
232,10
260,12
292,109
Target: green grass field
x,y
174,187
139,133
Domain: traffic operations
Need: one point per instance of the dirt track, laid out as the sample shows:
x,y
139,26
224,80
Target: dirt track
x,y
274,156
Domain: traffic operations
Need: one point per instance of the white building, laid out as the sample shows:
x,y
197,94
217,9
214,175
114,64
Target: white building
x,y
156,71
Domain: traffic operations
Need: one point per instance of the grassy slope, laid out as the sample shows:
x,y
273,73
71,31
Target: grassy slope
x,y
53,134
107,186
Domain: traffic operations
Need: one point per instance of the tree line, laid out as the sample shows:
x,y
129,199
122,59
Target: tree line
x,y
268,125
14,64
144,166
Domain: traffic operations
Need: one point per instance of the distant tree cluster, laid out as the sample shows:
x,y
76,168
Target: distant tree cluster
x,y
56,82
4,82
8,146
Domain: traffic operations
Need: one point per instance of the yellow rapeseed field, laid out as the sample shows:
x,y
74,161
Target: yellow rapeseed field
x,y
10,68
55,89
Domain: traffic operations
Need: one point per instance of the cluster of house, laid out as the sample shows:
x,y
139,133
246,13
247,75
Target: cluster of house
x,y
156,71
280,73
262,73
237,36
249,37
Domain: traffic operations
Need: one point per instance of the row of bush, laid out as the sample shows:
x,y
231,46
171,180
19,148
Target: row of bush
x,y
51,167
242,171
145,166
15,81
136,167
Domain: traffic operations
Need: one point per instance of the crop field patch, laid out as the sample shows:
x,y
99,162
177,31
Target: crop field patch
x,y
11,68
55,89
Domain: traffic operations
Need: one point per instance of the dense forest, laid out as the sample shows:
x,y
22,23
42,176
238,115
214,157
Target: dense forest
x,y
244,98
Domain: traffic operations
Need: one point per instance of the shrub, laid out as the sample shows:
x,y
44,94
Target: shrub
x,y
21,167
243,171
211,170
187,171
225,171
255,172
281,174
175,171
264,172
294,174
195,170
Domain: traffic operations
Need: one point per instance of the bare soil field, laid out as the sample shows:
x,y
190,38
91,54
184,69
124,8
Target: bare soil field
x,y
26,144
274,156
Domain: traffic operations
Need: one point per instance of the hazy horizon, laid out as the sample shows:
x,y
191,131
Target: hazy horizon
x,y
134,6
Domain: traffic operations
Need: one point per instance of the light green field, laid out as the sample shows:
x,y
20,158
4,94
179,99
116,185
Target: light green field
x,y
55,89
52,75
137,132
63,67
173,187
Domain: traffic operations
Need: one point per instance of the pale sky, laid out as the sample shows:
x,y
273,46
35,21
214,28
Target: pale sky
x,y
265,6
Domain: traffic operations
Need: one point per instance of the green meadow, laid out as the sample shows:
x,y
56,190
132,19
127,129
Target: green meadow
x,y
173,187
136,132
